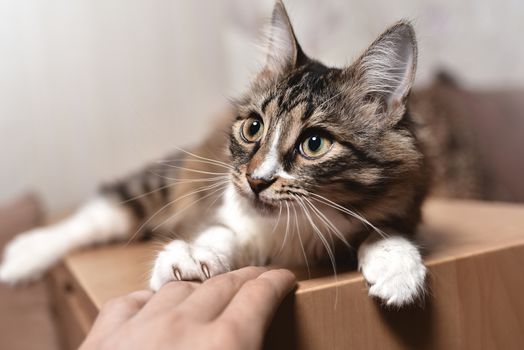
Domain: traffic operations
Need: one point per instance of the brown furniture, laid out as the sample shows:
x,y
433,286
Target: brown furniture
x,y
25,318
475,255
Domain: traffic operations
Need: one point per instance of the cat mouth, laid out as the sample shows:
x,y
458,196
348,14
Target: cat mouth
x,y
264,205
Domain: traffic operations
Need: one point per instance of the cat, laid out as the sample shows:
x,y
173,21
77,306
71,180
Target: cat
x,y
313,160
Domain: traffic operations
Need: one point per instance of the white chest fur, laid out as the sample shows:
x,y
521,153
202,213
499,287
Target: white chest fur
x,y
289,237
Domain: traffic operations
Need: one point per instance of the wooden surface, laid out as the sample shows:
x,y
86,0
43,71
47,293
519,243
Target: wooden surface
x,y
475,255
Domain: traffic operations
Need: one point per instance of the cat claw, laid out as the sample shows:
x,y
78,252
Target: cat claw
x,y
180,261
176,274
205,270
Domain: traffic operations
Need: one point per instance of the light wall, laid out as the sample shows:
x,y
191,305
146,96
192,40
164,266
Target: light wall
x,y
91,89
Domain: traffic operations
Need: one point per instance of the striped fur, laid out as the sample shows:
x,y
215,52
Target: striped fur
x,y
371,182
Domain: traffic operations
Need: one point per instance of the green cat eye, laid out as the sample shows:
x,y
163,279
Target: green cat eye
x,y
315,146
252,129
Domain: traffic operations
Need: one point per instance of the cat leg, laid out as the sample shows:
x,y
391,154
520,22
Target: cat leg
x,y
30,254
214,251
393,268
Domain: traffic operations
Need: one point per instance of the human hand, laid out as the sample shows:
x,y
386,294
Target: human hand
x,y
229,311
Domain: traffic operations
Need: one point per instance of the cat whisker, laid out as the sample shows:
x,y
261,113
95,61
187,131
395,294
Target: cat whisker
x,y
287,221
212,203
328,229
327,222
167,161
202,157
319,234
221,187
168,204
324,241
287,229
297,225
278,220
145,194
351,213
194,170
176,182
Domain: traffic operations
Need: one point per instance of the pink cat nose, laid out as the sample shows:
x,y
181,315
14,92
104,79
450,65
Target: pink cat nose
x,y
259,184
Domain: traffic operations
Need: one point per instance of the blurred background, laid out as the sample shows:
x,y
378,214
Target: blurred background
x,y
90,90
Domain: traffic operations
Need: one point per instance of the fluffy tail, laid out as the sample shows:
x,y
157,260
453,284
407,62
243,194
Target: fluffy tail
x,y
30,254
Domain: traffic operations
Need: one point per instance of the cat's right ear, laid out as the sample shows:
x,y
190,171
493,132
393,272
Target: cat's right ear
x,y
386,70
283,51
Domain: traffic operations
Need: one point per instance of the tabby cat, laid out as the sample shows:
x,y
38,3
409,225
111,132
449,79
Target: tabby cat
x,y
315,160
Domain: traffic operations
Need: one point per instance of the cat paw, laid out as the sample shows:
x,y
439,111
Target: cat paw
x,y
394,270
26,257
181,261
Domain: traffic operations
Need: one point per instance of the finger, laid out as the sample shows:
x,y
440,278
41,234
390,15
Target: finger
x,y
253,306
126,306
169,296
117,311
212,297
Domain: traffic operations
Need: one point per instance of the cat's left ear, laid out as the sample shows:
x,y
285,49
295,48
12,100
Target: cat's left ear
x,y
387,68
283,50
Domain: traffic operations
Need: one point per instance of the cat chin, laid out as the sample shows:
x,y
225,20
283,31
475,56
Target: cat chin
x,y
262,207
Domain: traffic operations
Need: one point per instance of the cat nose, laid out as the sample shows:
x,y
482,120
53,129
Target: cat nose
x,y
259,184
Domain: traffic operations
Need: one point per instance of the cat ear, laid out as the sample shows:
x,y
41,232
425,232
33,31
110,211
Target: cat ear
x,y
387,68
283,50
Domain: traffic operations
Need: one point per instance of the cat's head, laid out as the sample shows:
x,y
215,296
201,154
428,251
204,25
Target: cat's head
x,y
343,134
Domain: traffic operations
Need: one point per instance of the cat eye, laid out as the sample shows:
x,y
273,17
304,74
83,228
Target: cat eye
x,y
315,146
252,129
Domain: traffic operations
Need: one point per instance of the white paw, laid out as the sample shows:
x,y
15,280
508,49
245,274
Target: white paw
x,y
182,261
394,270
27,257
